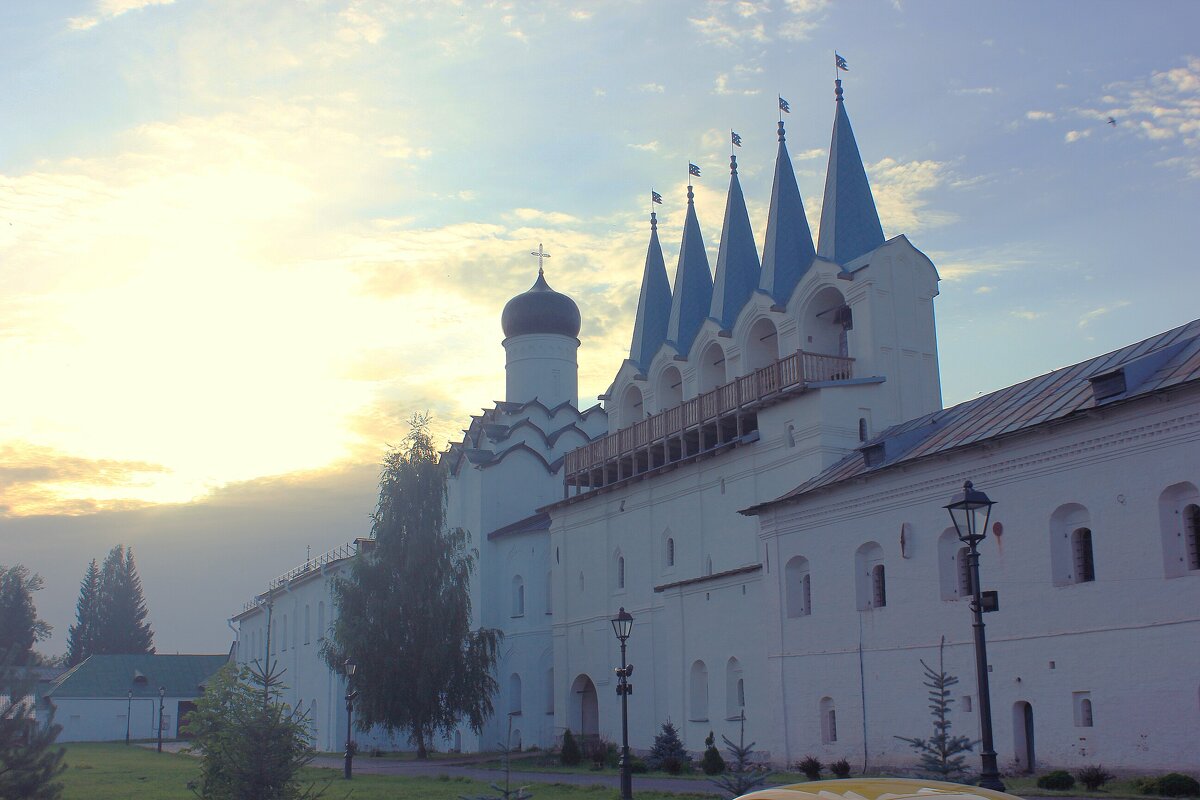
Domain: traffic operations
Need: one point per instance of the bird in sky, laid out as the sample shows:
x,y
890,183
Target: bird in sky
x,y
1112,121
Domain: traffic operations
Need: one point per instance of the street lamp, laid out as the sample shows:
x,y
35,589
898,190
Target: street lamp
x,y
128,711
622,626
162,695
970,511
351,668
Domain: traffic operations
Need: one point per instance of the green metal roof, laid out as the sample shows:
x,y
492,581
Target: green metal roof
x,y
115,676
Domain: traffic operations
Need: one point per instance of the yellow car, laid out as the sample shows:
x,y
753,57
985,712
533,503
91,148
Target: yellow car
x,y
878,789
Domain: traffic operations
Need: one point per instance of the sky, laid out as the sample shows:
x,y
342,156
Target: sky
x,y
242,242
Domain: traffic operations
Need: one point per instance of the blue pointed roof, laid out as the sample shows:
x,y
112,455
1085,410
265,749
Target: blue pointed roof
x,y
849,222
654,304
692,295
788,251
737,261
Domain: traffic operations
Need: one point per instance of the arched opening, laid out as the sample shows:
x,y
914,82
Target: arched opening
x,y
1064,522
828,721
631,410
735,689
1023,750
1179,525
826,324
698,707
585,711
762,344
669,554
869,578
669,391
283,632
1081,554
321,621
620,571
518,596
712,368
514,740
798,588
514,694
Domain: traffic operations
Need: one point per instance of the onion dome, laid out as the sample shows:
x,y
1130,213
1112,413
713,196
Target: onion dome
x,y
540,310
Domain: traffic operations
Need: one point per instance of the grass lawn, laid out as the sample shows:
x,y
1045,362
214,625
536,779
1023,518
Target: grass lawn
x,y
117,772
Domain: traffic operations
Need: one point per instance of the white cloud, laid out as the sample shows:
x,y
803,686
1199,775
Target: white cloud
x,y
1074,136
1039,116
653,88
901,192
982,90
649,147
1091,316
1026,314
984,289
111,9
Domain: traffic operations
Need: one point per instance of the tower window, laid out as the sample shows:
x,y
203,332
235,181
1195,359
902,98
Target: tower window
x,y
1081,548
878,587
670,552
1191,535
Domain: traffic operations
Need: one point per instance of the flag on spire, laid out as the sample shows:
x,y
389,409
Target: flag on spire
x,y
737,138
655,197
693,169
840,62
784,107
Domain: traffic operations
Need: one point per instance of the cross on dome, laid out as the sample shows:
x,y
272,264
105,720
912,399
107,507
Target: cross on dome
x,y
541,254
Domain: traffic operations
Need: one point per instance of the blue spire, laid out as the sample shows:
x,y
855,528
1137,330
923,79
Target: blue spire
x,y
737,260
654,304
849,222
692,295
788,251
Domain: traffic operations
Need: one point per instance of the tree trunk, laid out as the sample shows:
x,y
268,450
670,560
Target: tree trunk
x,y
422,753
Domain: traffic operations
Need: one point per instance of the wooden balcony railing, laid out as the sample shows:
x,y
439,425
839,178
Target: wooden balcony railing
x,y
788,373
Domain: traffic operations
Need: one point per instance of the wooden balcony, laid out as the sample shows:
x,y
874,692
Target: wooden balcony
x,y
698,425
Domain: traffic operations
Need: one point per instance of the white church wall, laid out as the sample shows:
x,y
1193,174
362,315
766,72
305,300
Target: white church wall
x,y
1130,639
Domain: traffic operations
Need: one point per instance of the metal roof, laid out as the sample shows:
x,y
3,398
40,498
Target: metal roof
x,y
1152,365
116,675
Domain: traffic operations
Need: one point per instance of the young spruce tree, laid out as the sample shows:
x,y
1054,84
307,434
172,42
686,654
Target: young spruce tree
x,y
742,774
81,637
121,608
942,753
405,610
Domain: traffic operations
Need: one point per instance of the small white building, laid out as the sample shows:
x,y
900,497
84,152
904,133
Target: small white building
x,y
108,698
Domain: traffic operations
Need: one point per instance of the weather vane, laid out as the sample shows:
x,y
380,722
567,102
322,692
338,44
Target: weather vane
x,y
541,254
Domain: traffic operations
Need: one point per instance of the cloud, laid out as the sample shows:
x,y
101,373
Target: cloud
x,y
901,192
965,265
1091,316
721,87
1026,314
733,24
1039,116
36,479
1074,136
808,155
977,90
111,9
984,289
536,215
649,147
652,88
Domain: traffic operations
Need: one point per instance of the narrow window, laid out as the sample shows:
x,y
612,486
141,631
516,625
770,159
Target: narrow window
x,y
828,721
699,693
514,694
1191,535
321,621
878,587
741,693
518,596
862,429
620,572
283,633
797,587
549,593
550,691
670,552
1082,702
307,623
1081,546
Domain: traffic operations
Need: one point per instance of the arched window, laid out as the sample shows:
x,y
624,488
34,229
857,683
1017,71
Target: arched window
x,y
698,710
1179,523
518,596
828,721
869,580
669,391
712,368
1083,709
825,324
307,623
735,689
514,694
321,621
632,409
1081,551
708,565
670,552
762,344
797,587
620,571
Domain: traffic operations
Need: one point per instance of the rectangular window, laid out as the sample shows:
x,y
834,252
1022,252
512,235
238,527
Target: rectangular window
x,y
966,703
1085,567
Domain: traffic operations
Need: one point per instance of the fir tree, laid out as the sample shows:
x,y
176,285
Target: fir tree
x,y
942,753
29,760
81,637
121,608
742,775
570,755
712,763
405,611
20,627
668,753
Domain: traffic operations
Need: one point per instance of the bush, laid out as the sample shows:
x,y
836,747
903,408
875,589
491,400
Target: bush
x,y
602,753
1173,784
811,767
637,766
668,753
1059,780
570,756
1093,777
712,763
840,768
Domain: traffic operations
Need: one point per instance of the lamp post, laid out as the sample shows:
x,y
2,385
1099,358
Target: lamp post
x,y
622,626
970,511
162,695
351,668
128,711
